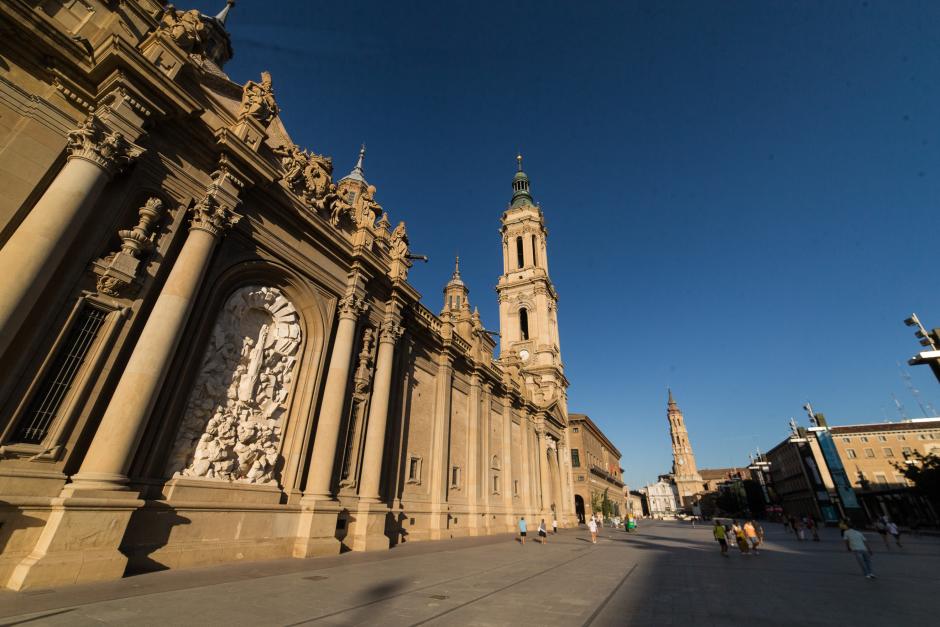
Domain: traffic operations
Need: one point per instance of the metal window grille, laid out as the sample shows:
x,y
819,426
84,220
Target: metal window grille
x,y
55,385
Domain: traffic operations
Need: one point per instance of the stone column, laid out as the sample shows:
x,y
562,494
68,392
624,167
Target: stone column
x,y
440,444
486,453
30,257
507,465
544,471
564,470
525,470
80,540
320,472
316,532
476,484
369,532
106,463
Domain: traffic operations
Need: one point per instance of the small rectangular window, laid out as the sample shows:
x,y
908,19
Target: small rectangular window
x,y
881,478
888,452
575,458
870,453
520,257
515,487
576,430
882,438
414,469
455,477
535,255
850,453
864,438
906,450
846,440
902,437
495,484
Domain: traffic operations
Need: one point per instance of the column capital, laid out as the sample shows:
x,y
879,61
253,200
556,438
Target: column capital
x,y
390,330
350,307
215,213
108,149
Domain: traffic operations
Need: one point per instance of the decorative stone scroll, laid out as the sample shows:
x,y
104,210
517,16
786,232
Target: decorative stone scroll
x,y
93,141
118,271
231,428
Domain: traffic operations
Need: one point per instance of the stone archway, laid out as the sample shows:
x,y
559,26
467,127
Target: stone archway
x,y
579,508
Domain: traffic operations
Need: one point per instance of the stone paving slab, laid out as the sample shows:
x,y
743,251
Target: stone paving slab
x,y
667,574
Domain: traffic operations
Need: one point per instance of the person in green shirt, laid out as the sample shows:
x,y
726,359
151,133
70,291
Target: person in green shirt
x,y
719,532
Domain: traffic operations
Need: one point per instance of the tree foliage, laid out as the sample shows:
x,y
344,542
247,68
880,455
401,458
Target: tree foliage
x,y
925,473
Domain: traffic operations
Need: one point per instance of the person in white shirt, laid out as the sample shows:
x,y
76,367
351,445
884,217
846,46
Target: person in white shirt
x,y
592,525
855,542
554,525
894,532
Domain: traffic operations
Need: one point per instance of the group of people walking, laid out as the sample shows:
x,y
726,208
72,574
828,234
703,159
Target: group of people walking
x,y
800,526
542,531
746,537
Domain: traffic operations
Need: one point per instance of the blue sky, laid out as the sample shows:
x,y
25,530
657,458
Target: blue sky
x,y
741,196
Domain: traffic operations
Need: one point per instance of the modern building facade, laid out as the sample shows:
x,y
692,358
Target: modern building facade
x,y
595,468
872,457
210,348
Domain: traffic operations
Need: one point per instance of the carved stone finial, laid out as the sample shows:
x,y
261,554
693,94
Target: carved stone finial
x,y
138,239
108,149
117,271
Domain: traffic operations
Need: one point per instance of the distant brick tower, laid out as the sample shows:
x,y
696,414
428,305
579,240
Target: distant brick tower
x,y
684,472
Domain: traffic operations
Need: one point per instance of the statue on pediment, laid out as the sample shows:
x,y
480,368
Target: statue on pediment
x,y
258,100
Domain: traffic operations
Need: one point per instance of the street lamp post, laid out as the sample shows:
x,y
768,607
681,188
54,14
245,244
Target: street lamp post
x,y
928,339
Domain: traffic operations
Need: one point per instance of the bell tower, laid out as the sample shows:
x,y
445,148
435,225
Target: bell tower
x,y
528,319
684,472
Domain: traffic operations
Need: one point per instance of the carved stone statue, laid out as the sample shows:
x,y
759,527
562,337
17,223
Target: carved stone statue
x,y
258,100
308,175
398,243
232,424
186,28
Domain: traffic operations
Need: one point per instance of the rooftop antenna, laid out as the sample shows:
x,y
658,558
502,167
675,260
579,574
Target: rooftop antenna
x,y
900,407
913,390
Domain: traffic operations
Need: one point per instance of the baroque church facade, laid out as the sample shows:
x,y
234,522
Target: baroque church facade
x,y
210,350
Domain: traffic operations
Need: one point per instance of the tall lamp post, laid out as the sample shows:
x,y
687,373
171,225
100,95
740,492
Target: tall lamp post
x,y
928,339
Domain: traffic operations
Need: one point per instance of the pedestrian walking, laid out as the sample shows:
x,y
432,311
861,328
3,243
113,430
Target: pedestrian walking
x,y
751,534
592,525
786,525
881,527
855,543
554,525
719,532
522,530
811,525
798,528
740,538
543,536
894,532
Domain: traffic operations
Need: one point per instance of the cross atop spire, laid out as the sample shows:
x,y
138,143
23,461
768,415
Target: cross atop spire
x,y
671,401
357,174
223,14
520,186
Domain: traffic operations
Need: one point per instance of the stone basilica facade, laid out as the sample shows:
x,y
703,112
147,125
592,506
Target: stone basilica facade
x,y
209,347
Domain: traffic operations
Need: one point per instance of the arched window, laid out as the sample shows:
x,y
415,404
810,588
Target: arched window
x,y
524,323
535,254
520,258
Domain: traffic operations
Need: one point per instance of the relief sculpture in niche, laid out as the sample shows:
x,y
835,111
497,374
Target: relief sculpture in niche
x,y
231,428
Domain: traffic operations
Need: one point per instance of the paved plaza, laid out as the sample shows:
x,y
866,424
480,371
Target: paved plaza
x,y
667,574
